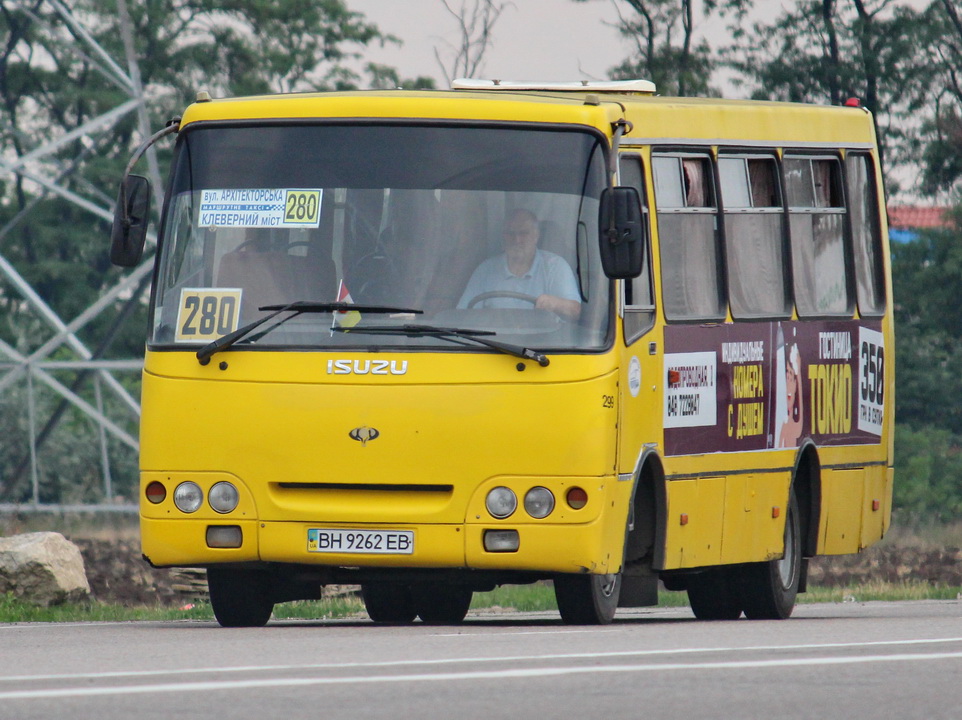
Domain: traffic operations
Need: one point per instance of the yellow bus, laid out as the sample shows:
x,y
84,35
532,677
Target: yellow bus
x,y
430,343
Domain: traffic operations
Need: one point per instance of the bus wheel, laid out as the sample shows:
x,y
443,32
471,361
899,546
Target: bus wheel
x,y
587,599
442,605
770,588
240,598
714,595
388,603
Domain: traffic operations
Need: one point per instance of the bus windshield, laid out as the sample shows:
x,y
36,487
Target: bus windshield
x,y
488,229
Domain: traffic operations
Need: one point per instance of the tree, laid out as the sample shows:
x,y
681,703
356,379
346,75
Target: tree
x,y
927,280
666,48
940,142
927,275
476,20
825,51
61,76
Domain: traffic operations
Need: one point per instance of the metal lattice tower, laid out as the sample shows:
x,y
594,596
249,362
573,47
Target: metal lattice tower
x,y
37,370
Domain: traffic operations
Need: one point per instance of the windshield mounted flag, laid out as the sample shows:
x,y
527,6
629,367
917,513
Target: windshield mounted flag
x,y
345,318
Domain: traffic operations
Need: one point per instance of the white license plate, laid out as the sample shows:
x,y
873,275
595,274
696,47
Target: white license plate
x,y
374,542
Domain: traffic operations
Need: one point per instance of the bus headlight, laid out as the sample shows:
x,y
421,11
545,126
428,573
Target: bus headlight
x,y
223,497
501,502
539,502
188,497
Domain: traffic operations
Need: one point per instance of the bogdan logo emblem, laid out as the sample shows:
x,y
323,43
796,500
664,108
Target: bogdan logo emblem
x,y
363,434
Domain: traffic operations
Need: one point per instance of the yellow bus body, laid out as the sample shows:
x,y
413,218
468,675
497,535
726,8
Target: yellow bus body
x,y
482,426
274,422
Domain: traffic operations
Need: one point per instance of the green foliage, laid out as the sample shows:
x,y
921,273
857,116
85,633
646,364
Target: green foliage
x,y
14,610
878,591
537,597
927,280
928,474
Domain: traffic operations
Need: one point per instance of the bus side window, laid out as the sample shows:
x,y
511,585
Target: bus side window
x,y
639,297
754,237
692,285
817,229
866,233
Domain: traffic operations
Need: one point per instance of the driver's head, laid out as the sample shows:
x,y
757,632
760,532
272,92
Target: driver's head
x,y
521,237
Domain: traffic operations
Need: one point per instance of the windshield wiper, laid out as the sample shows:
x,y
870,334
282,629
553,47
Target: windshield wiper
x,y
295,308
453,334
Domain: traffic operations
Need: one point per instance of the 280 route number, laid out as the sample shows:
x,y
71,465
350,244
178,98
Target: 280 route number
x,y
206,314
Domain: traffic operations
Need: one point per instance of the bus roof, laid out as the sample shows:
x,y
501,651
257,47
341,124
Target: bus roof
x,y
654,119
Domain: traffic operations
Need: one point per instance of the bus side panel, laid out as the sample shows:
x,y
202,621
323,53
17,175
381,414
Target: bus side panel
x,y
694,523
841,520
876,506
755,511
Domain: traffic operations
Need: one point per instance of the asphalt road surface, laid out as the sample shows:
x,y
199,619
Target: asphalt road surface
x,y
872,660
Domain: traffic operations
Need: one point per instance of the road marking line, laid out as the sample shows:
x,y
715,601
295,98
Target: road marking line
x,y
464,660
475,675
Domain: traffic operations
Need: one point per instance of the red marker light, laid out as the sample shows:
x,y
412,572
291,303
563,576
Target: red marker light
x,y
853,102
577,498
156,492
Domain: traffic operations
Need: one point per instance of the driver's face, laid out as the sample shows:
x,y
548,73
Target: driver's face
x,y
520,239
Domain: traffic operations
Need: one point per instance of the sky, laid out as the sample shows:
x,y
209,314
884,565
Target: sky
x,y
548,40
551,40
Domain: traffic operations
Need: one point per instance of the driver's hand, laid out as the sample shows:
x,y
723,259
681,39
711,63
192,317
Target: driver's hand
x,y
568,309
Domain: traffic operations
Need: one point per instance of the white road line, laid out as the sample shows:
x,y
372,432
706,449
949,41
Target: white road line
x,y
466,676
465,660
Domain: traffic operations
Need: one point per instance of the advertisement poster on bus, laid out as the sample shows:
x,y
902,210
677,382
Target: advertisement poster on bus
x,y
760,386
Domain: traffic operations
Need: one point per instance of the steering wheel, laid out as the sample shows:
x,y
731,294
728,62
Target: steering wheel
x,y
502,294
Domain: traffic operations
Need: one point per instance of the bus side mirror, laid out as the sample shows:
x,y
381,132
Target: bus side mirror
x,y
621,232
129,231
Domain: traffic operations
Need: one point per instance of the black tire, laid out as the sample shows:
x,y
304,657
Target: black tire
x,y
240,598
769,588
388,603
442,605
587,599
715,594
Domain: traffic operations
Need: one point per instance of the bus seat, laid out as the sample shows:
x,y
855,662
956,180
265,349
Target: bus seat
x,y
275,277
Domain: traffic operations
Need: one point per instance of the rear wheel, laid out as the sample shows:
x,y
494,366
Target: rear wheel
x,y
442,605
587,599
240,598
388,603
770,588
714,594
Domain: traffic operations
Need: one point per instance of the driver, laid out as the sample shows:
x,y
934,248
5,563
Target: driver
x,y
523,268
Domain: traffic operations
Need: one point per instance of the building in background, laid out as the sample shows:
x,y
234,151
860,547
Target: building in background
x,y
906,220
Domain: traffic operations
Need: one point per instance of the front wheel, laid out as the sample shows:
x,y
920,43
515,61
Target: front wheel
x,y
715,594
240,598
388,603
442,605
587,599
769,588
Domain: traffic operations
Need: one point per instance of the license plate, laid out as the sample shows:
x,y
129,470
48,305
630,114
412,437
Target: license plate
x,y
373,542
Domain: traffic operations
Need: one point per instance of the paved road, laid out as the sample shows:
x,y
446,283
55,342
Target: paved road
x,y
873,660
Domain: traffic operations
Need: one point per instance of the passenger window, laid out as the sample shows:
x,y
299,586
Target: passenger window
x,y
817,230
687,214
866,233
639,297
754,237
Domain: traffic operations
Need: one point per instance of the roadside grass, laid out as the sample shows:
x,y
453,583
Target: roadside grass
x,y
538,597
